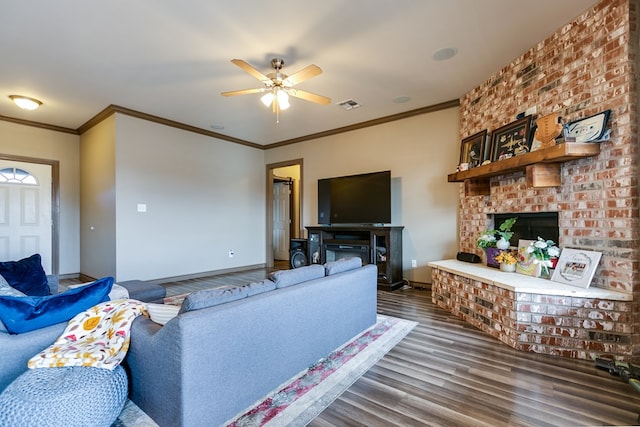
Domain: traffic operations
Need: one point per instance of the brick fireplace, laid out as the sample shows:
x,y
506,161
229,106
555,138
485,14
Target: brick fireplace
x,y
586,67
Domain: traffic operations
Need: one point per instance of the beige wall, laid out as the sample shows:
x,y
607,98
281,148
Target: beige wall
x,y
98,200
20,140
420,151
204,197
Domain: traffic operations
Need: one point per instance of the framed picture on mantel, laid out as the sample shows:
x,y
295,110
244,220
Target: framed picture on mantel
x,y
511,140
473,149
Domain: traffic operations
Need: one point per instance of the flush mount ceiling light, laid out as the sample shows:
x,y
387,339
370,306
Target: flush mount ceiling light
x,y
279,86
25,102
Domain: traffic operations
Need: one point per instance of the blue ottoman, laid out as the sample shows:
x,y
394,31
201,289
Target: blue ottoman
x,y
68,396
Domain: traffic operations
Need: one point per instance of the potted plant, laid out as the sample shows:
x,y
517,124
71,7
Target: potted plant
x,y
494,240
507,261
543,252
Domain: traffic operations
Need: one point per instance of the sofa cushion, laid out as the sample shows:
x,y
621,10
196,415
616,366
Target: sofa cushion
x,y
335,267
24,314
162,313
256,288
7,290
117,291
211,297
26,275
284,278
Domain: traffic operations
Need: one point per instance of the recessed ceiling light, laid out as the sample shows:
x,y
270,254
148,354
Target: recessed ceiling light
x,y
25,102
401,99
217,127
444,53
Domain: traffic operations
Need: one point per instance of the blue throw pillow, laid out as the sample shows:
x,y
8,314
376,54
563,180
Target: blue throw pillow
x,y
24,314
26,275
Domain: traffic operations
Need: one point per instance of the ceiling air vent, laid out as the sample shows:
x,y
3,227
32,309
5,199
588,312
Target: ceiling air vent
x,y
349,104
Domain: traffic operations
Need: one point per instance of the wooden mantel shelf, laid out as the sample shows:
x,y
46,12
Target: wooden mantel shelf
x,y
542,167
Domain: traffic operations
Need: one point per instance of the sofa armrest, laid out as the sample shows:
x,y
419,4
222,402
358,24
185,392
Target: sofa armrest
x,y
52,281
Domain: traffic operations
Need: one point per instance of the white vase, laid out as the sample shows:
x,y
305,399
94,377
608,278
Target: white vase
x,y
509,268
503,244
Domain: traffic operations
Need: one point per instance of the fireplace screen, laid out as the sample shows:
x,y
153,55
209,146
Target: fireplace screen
x,y
530,226
335,252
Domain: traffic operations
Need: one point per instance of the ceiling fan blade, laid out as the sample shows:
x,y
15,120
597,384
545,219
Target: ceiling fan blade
x,y
302,75
308,96
242,92
249,69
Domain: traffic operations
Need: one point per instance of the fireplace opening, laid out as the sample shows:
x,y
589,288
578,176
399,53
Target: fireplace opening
x,y
335,252
530,226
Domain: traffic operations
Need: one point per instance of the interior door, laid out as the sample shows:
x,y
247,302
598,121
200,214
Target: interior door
x,y
281,219
25,211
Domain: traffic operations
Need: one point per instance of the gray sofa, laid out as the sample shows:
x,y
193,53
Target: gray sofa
x,y
17,349
212,361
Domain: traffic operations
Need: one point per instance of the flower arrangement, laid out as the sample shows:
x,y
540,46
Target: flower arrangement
x,y
490,238
542,251
506,257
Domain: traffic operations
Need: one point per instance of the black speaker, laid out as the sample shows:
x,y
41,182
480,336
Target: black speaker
x,y
468,257
314,248
298,253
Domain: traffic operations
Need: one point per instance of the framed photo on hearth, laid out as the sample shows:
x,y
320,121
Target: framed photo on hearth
x,y
511,140
473,149
576,267
525,263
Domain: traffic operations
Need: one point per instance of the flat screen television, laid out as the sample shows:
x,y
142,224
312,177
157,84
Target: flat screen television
x,y
355,199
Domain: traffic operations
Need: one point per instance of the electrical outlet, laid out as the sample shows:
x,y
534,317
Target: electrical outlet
x,y
414,263
231,254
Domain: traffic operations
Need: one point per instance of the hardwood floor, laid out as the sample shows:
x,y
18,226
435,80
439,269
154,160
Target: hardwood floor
x,y
447,373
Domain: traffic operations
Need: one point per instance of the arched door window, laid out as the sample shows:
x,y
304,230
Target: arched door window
x,y
17,176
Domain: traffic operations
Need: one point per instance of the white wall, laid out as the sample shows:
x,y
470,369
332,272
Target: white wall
x,y
203,196
20,140
420,151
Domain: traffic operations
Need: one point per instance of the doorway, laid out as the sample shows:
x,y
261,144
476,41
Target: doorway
x,y
284,209
29,210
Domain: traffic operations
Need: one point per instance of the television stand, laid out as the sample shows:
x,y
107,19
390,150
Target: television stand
x,y
379,245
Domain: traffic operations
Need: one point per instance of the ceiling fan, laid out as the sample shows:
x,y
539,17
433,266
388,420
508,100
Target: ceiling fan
x,y
279,86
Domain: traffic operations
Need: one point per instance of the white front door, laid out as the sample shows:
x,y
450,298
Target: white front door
x,y
281,194
25,211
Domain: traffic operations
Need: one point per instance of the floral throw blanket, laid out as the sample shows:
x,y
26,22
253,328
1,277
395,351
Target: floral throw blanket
x,y
97,337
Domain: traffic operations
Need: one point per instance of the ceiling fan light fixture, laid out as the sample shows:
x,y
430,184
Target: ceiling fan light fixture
x,y
267,99
283,99
25,102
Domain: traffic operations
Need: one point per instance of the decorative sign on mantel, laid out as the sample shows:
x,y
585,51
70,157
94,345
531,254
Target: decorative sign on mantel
x,y
576,267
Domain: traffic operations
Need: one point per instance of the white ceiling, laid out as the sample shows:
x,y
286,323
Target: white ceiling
x,y
172,58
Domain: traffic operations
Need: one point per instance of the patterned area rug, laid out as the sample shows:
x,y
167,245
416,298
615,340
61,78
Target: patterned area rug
x,y
304,397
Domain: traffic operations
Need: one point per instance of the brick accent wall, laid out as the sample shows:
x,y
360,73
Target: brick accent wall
x,y
586,67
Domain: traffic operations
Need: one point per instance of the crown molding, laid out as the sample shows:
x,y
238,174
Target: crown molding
x,y
39,125
112,109
369,123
